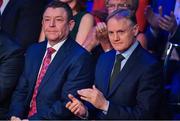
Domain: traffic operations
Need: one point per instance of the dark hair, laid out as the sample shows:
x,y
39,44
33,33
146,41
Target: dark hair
x,y
59,4
80,5
123,13
135,4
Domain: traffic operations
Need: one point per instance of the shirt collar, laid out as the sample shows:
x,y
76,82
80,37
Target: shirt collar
x,y
3,6
128,52
56,46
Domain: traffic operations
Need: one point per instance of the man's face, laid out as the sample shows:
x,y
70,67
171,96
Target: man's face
x,y
121,33
56,25
118,4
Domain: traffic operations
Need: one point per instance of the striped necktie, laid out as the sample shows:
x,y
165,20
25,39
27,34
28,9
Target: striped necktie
x,y
45,64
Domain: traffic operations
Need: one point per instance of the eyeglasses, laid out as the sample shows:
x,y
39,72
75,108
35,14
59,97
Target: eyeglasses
x,y
117,6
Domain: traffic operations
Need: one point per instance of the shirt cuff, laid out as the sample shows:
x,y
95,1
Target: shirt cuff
x,y
106,110
86,115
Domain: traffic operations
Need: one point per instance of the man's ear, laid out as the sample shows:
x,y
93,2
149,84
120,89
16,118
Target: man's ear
x,y
136,30
42,24
71,24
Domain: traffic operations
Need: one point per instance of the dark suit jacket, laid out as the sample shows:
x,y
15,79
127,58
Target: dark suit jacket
x,y
11,64
176,37
136,93
22,20
70,70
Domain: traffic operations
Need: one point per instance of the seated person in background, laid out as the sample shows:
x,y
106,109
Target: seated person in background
x,y
99,10
99,34
128,79
11,65
83,21
53,69
164,19
21,19
141,19
176,37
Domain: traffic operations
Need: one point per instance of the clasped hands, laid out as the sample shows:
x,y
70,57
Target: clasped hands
x,y
14,118
91,95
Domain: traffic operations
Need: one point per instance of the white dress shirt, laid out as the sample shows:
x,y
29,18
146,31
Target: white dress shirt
x,y
3,6
127,53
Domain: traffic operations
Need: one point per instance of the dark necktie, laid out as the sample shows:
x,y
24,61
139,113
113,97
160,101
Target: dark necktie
x,y
116,70
45,64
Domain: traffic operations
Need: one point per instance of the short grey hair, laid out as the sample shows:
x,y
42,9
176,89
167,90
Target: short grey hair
x,y
123,13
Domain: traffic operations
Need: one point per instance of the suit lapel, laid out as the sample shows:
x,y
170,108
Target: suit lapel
x,y
8,7
56,62
131,62
107,68
40,51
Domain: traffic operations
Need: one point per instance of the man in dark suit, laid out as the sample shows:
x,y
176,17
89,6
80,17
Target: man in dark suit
x,y
176,37
11,64
53,69
130,88
22,20
162,35
173,67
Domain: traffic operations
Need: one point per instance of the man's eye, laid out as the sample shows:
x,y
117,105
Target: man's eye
x,y
110,5
46,19
121,32
110,33
59,19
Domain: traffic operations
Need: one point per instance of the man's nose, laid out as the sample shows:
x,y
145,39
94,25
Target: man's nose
x,y
52,22
116,37
116,7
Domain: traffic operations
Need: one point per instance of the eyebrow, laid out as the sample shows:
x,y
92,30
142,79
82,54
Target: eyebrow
x,y
119,30
55,16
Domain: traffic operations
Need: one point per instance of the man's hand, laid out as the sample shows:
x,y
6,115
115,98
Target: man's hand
x,y
152,17
102,36
14,118
95,97
25,120
76,106
168,23
157,20
91,40
101,32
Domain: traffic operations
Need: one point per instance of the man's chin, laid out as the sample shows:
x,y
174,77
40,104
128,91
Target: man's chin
x,y
52,38
119,49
